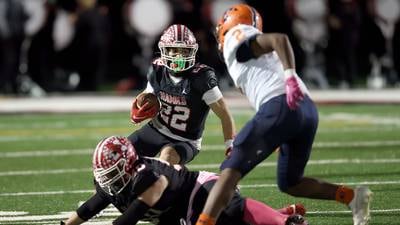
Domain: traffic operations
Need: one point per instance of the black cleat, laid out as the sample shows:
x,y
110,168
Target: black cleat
x,y
296,219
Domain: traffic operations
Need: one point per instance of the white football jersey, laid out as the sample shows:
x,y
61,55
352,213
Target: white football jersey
x,y
260,79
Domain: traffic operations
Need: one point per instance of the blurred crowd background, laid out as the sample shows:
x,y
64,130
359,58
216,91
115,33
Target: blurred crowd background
x,y
68,46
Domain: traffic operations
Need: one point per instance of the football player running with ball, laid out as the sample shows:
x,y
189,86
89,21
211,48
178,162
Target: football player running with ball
x,y
262,66
149,189
186,91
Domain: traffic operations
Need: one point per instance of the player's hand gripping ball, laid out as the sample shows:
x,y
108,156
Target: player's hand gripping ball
x,y
144,106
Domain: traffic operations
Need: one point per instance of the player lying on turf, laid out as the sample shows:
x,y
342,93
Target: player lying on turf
x,y
149,189
187,90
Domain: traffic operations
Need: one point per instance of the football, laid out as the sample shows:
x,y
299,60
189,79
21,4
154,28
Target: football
x,y
149,98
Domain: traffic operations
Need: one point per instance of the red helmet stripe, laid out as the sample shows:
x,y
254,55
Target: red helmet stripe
x,y
179,32
175,32
183,32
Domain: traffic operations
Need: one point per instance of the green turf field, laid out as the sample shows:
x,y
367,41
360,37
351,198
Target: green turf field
x,y
45,162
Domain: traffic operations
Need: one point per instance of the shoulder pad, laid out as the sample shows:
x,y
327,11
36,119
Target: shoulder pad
x,y
158,62
155,66
200,68
143,180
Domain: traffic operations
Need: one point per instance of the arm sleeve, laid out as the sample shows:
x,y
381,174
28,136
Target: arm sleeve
x,y
92,206
212,95
133,214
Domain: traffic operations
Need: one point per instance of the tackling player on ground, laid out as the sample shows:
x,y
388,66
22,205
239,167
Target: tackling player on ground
x,y
149,189
187,90
262,67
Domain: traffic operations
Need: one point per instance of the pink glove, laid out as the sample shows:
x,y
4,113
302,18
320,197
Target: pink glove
x,y
294,94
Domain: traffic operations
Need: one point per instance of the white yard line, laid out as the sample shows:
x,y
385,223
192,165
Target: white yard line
x,y
46,193
311,162
327,144
365,118
66,152
59,152
37,172
106,122
369,183
209,166
53,219
66,137
348,211
12,213
244,186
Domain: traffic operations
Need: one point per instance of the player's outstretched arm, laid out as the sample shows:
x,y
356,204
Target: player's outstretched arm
x,y
228,126
74,219
87,210
143,203
280,43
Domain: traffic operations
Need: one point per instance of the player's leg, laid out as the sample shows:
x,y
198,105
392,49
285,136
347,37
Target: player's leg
x,y
295,152
241,211
357,199
258,213
250,147
291,166
293,158
149,142
178,153
169,154
219,196
205,183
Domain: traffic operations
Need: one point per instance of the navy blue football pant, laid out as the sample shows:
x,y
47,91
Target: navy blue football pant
x,y
275,125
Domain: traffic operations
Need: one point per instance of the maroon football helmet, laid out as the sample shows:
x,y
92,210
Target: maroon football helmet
x,y
178,48
113,162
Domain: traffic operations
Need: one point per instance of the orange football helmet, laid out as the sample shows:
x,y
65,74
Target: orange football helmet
x,y
237,14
